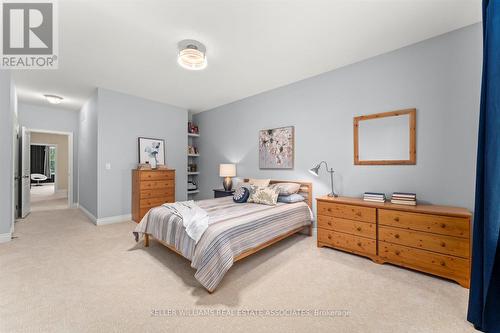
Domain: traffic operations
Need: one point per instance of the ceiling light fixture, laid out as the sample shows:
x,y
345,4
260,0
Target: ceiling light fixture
x,y
192,55
53,99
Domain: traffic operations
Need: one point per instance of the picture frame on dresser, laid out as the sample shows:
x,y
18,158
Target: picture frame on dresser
x,y
151,148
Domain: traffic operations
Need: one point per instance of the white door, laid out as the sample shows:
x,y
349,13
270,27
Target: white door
x,y
25,172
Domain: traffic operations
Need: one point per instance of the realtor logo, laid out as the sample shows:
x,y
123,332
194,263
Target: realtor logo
x,y
29,35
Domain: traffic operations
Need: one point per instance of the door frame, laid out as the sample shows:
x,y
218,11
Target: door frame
x,y
70,158
55,168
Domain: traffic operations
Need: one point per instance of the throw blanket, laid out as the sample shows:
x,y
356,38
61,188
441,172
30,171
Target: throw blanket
x,y
194,218
232,229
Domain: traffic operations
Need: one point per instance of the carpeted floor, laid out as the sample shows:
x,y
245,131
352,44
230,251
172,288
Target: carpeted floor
x,y
63,274
45,198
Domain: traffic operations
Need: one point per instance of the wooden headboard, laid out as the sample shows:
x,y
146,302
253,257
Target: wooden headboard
x,y
306,188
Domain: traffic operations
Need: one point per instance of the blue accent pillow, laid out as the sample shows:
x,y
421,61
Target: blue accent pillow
x,y
241,195
292,198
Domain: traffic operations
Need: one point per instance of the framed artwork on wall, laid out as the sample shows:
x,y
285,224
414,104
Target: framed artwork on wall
x,y
276,148
151,151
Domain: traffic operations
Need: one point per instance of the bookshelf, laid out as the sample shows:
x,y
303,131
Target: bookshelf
x,y
192,158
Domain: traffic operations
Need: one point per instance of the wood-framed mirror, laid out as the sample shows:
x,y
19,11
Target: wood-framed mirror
x,y
387,138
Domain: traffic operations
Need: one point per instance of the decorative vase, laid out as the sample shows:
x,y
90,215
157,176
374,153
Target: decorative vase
x,y
152,162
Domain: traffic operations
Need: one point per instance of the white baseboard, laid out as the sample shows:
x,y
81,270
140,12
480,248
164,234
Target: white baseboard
x,y
4,238
62,192
114,219
74,205
89,214
105,220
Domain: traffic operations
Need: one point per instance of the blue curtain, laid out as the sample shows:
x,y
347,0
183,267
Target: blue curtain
x,y
484,297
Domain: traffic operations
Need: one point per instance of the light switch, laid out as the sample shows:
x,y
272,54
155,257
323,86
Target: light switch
x,y
108,166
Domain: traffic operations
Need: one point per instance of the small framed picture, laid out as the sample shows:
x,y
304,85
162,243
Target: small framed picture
x,y
151,151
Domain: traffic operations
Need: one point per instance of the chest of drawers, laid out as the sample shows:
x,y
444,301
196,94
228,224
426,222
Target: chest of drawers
x,y
431,239
151,188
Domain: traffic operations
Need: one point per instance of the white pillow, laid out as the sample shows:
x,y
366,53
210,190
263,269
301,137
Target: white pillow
x,y
259,182
287,188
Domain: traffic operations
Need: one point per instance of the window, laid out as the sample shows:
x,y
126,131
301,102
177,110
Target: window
x,y
52,160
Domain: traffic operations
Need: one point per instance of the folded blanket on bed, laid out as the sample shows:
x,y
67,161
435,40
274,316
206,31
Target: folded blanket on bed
x,y
194,218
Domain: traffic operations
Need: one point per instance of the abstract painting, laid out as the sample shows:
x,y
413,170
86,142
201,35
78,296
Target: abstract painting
x,y
276,148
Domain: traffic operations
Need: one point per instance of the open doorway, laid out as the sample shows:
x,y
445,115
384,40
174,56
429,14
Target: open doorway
x,y
47,165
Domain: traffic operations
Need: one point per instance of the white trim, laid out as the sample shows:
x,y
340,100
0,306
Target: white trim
x,y
114,219
105,220
89,214
4,238
70,159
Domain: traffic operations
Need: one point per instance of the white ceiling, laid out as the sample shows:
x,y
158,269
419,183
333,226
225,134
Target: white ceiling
x,y
252,45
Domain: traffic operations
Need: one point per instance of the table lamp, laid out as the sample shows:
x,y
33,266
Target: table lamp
x,y
227,171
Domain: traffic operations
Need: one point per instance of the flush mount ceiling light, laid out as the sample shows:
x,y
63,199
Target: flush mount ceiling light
x,y
192,55
53,99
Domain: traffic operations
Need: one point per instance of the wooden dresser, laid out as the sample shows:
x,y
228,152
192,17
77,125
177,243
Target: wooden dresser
x,y
151,188
427,238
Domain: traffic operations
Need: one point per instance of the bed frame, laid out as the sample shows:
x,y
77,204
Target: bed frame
x,y
305,190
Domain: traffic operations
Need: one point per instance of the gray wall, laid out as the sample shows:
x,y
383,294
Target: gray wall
x,y
87,156
122,119
53,119
7,110
440,77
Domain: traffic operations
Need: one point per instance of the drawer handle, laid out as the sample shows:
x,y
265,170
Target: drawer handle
x,y
358,228
329,209
329,236
443,225
396,219
443,244
358,213
443,263
396,236
330,223
397,252
359,243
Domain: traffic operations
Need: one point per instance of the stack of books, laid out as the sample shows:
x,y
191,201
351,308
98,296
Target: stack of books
x,y
400,198
374,196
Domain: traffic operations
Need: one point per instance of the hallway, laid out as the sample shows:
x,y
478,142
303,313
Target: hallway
x,y
44,197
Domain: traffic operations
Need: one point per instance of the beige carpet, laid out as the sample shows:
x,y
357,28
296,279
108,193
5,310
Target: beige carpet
x,y
63,274
45,198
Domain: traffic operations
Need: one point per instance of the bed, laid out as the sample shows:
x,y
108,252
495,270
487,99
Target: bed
x,y
235,231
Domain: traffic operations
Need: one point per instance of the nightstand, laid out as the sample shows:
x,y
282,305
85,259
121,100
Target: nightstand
x,y
219,193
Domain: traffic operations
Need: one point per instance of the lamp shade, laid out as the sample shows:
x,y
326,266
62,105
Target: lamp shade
x,y
227,170
314,170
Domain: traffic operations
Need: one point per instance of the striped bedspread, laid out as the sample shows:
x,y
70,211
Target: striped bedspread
x,y
233,229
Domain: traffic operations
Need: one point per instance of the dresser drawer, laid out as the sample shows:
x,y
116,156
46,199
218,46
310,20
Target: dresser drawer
x,y
454,246
443,225
157,193
154,202
157,175
347,242
350,212
447,266
347,226
156,184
